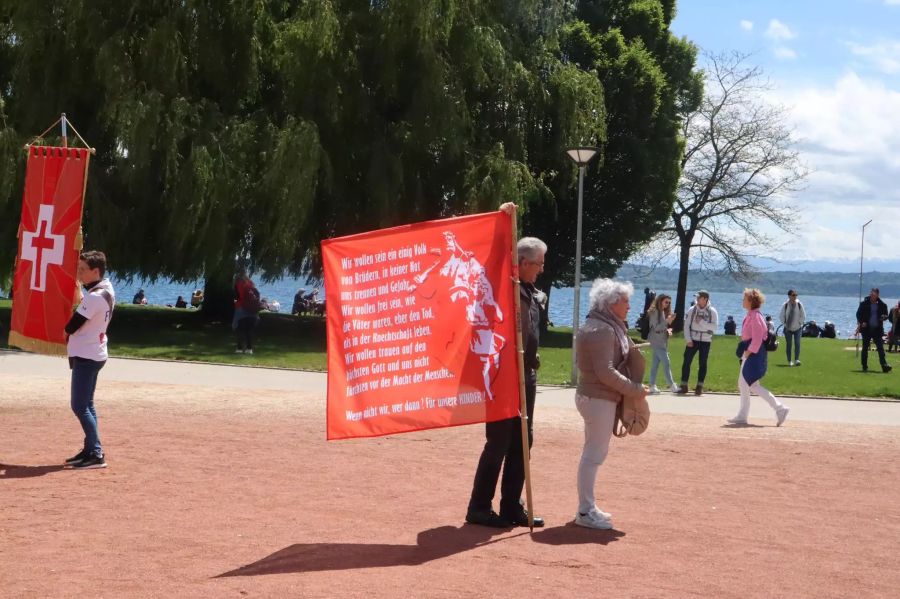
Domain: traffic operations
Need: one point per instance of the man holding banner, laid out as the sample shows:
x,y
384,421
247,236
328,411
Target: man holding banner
x,y
504,437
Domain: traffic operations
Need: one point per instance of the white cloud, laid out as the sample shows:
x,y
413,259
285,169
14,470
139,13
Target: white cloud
x,y
748,25
784,53
885,55
851,140
779,31
892,2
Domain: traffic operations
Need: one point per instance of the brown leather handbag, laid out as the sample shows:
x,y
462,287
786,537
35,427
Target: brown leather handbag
x,y
632,413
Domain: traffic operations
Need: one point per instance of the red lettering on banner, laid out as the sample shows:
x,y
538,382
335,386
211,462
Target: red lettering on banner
x,y
421,327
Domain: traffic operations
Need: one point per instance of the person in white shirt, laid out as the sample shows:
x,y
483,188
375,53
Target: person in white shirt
x,y
87,350
700,324
792,317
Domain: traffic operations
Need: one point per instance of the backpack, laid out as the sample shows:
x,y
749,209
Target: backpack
x,y
772,340
252,303
644,325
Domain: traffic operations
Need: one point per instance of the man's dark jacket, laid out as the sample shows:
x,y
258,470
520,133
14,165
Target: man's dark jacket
x,y
862,315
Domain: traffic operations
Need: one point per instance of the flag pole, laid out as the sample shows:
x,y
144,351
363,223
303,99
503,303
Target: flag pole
x,y
520,346
65,138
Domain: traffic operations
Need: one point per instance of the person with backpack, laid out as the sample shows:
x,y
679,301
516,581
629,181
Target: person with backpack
x,y
659,318
793,315
247,304
700,324
754,362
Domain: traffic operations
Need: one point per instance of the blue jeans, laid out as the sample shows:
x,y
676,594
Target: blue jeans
x,y
703,348
661,356
792,338
84,382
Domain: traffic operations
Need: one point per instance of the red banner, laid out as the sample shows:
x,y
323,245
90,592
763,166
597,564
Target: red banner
x,y
421,327
44,287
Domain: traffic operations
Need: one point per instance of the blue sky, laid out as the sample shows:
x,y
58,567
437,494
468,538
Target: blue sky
x,y
835,64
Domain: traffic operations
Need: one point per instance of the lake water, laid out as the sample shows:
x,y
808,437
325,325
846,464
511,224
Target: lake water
x,y
839,310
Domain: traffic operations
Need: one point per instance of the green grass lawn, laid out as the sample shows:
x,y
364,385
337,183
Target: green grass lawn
x,y
285,341
829,367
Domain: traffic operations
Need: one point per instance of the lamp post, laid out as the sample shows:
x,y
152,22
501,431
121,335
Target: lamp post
x,y
861,247
581,156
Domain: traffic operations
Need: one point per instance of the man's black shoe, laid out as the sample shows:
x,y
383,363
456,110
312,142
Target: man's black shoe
x,y
487,518
77,457
865,369
521,519
886,368
89,463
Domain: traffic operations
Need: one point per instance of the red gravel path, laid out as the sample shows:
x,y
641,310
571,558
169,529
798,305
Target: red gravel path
x,y
223,493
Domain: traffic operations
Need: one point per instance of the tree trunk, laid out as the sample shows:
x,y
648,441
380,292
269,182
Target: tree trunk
x,y
680,293
218,298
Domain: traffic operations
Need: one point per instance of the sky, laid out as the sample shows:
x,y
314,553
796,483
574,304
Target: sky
x,y
835,65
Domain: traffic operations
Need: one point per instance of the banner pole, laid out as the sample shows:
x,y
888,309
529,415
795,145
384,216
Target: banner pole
x,y
65,138
520,347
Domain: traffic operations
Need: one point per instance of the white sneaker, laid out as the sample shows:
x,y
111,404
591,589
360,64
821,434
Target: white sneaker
x,y
796,362
593,519
675,388
238,351
737,420
790,363
249,351
781,413
654,390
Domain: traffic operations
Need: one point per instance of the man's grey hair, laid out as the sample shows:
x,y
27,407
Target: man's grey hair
x,y
531,248
606,292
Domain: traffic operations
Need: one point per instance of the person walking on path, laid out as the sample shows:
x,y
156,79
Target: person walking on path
x,y
894,317
86,347
700,324
752,352
503,439
870,317
660,318
604,352
792,316
247,304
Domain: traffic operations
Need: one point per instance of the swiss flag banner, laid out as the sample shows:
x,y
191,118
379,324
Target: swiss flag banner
x,y
421,327
44,286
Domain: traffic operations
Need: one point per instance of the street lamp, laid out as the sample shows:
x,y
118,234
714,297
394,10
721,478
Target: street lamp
x,y
582,157
861,243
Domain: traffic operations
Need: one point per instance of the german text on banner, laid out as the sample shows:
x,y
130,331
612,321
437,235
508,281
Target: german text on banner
x,y
44,286
421,327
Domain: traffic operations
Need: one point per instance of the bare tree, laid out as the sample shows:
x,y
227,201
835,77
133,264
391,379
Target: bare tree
x,y
739,166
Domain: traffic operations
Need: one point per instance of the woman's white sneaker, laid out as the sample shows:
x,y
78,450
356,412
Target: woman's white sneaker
x,y
594,519
654,390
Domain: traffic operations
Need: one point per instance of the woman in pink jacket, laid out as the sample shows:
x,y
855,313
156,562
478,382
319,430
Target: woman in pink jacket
x,y
752,352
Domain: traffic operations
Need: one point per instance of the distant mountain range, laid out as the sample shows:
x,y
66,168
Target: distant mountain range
x,y
807,282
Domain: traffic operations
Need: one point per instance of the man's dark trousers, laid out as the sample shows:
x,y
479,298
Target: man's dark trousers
x,y
504,441
697,346
876,336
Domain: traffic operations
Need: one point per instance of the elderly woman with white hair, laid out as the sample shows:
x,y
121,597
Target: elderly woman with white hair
x,y
604,354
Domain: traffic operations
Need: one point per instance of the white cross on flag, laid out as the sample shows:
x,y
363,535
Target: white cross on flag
x,y
42,248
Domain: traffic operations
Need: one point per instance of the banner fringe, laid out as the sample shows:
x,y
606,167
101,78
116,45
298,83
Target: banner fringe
x,y
37,346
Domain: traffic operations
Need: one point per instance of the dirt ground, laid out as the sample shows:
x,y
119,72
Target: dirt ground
x,y
231,493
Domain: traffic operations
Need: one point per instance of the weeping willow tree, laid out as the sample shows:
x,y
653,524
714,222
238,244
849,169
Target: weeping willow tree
x,y
242,133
